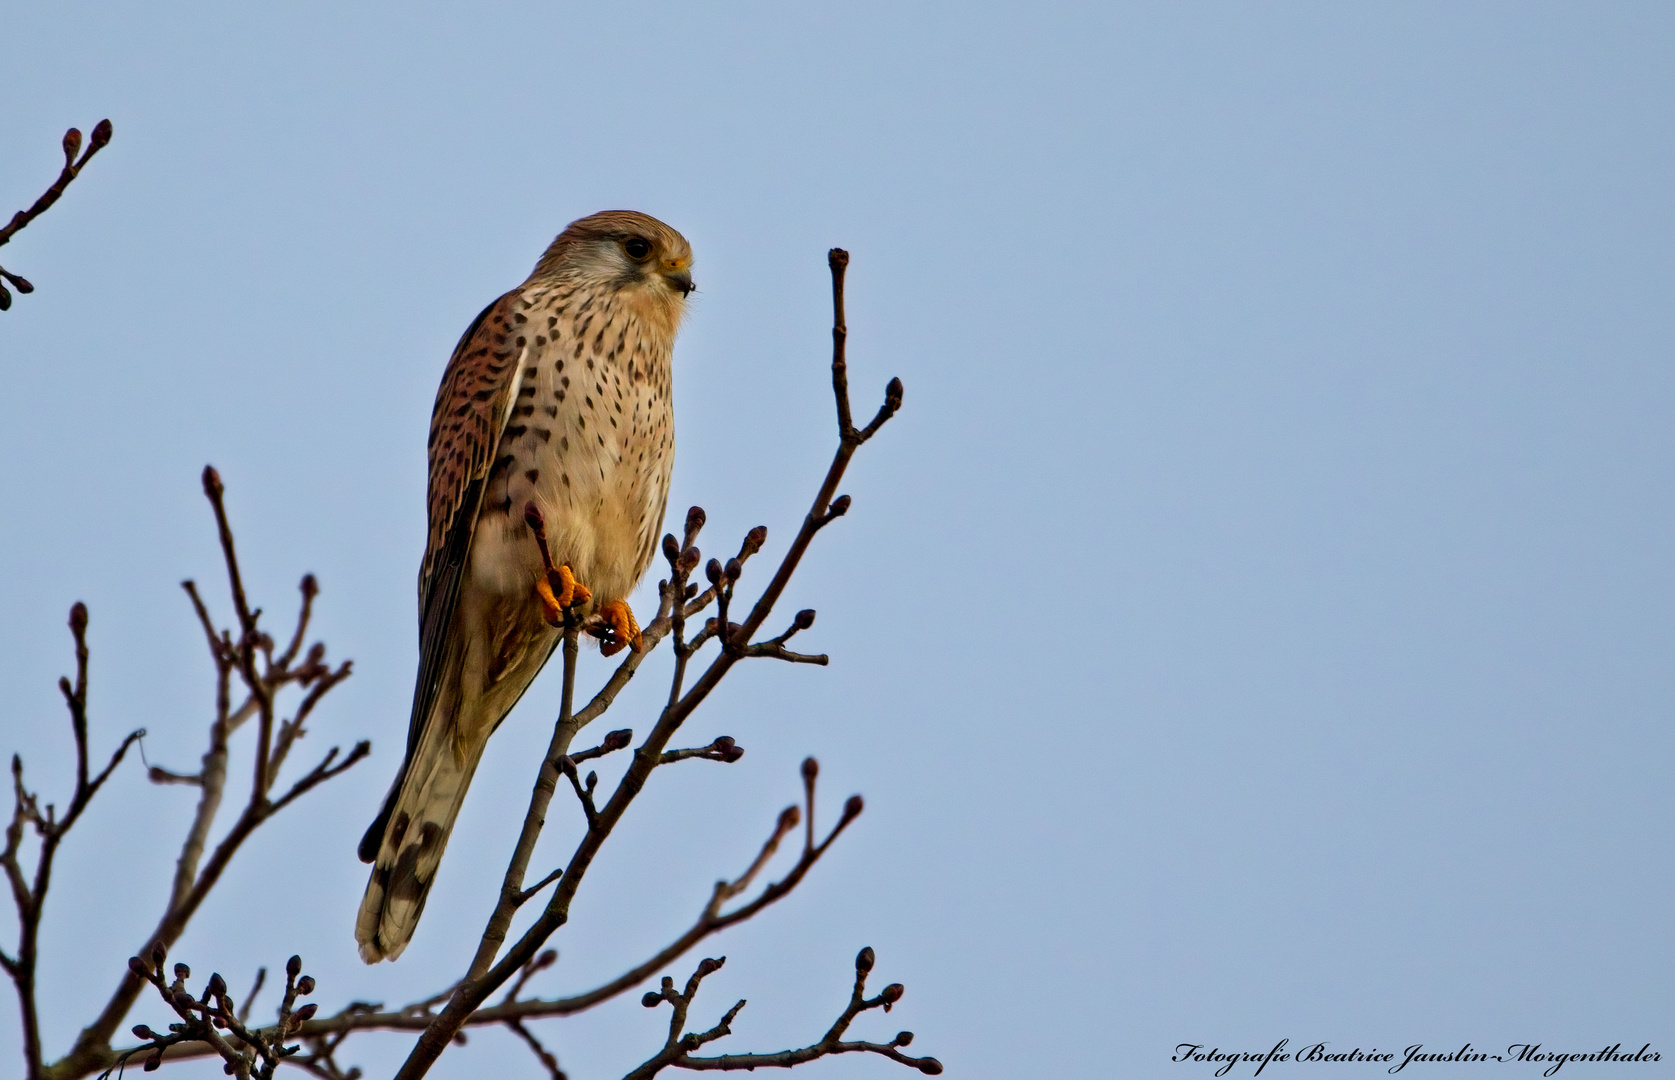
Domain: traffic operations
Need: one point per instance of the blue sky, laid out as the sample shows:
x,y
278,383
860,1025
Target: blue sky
x,y
1256,625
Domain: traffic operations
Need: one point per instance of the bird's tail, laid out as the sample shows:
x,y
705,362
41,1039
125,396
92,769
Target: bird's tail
x,y
416,822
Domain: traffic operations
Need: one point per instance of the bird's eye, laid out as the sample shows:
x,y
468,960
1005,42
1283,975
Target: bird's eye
x,y
636,248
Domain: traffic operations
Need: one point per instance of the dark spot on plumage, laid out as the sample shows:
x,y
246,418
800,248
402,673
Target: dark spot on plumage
x,y
540,339
545,434
552,320
518,316
482,395
522,341
516,431
589,402
532,475
526,391
552,410
501,462
566,479
526,410
564,380
530,373
561,398
564,442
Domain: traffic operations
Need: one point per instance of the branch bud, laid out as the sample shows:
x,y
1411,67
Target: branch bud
x,y
217,986
789,819
78,617
154,1062
143,1032
618,739
183,1000
293,966
310,586
671,549
305,986
101,135
839,507
811,769
753,541
651,999
710,965
213,487
546,960
930,1066
892,994
5,299
305,1014
903,1038
712,570
689,559
892,394
694,521
852,808
733,570
804,619
158,954
137,966
72,145
865,959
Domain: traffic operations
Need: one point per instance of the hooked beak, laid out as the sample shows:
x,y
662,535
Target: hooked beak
x,y
680,280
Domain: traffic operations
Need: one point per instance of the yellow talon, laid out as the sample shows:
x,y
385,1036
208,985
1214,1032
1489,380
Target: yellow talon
x,y
568,593
619,620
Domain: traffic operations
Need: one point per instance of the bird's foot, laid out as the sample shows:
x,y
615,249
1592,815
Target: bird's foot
x,y
618,628
559,589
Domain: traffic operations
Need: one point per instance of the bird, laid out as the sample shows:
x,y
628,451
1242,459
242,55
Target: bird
x,y
556,404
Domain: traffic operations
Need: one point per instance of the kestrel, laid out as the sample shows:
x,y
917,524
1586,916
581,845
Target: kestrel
x,y
558,396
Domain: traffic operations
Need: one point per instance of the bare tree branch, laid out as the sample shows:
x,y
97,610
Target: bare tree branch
x,y
677,1048
72,168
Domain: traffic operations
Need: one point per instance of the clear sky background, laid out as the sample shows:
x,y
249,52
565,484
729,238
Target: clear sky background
x,y
1256,625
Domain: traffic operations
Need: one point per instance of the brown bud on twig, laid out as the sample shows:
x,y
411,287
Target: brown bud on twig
x,y
892,394
892,994
213,487
618,739
694,522
930,1066
72,145
182,972
712,570
183,1000
839,507
310,586
78,617
154,1062
689,559
651,999
753,541
671,549
293,966
811,769
903,1038
143,1032
789,818
19,283
865,959
546,960
217,986
101,136
852,808
158,954
733,570
804,619
305,986
305,1014
710,965
137,966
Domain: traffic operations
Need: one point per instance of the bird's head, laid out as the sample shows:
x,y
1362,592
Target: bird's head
x,y
626,250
